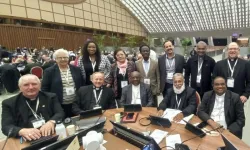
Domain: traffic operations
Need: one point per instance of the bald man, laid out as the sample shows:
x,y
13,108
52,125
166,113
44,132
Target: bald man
x,y
32,113
137,92
94,96
236,72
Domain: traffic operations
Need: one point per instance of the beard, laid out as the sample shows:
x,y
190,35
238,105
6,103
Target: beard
x,y
179,91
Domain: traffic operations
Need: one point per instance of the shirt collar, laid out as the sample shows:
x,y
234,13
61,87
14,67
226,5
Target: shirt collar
x,y
171,57
220,96
148,61
136,87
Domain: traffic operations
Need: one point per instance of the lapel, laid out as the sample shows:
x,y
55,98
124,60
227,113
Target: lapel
x,y
58,74
23,108
142,94
237,68
183,98
211,101
143,73
129,94
176,61
73,74
42,107
227,101
163,63
195,64
151,67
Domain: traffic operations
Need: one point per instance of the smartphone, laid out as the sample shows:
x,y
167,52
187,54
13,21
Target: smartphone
x,y
130,115
202,125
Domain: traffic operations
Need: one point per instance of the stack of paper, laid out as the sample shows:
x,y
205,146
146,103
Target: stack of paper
x,y
158,135
171,113
171,140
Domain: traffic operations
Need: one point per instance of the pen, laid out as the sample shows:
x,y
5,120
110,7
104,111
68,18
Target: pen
x,y
21,140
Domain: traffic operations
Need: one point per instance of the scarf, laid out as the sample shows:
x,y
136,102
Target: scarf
x,y
122,67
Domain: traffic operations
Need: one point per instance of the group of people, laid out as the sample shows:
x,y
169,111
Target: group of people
x,y
66,90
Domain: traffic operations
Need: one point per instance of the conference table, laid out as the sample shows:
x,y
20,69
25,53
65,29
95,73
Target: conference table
x,y
115,143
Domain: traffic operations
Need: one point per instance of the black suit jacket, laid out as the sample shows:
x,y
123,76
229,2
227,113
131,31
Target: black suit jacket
x,y
233,108
179,66
85,99
241,75
52,81
15,111
188,103
206,73
48,64
145,95
28,67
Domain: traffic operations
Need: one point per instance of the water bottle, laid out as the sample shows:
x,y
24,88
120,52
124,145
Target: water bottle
x,y
60,130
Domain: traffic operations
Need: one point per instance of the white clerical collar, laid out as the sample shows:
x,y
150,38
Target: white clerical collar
x,y
220,96
136,86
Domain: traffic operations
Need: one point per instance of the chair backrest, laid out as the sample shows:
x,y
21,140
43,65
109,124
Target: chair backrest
x,y
38,71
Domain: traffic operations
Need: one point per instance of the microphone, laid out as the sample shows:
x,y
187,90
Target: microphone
x,y
185,147
10,131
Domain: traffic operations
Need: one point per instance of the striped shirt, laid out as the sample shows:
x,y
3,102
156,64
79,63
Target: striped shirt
x,y
67,99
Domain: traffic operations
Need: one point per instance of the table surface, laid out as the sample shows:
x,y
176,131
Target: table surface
x,y
115,143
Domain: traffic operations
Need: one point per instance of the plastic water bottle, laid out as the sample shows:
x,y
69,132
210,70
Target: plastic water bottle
x,y
60,130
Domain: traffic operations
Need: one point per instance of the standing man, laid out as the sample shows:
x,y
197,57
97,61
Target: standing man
x,y
200,67
236,72
169,64
149,71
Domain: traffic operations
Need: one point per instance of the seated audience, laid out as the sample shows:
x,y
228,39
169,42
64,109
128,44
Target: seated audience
x,y
47,61
29,66
63,80
21,114
222,107
137,92
179,97
92,96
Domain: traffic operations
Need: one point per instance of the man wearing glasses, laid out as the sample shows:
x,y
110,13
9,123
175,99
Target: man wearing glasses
x,y
64,80
222,107
236,71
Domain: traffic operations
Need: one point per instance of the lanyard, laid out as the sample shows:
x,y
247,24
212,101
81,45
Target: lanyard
x,y
66,77
97,99
93,64
199,67
178,103
232,69
170,66
33,112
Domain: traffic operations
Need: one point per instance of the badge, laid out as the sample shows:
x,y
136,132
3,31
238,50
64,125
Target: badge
x,y
124,83
37,123
70,91
230,82
170,75
198,79
147,81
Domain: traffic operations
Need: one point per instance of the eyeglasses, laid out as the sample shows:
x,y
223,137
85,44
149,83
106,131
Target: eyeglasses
x,y
62,58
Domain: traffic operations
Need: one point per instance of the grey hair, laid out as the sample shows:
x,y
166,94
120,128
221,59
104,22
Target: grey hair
x,y
29,76
232,43
60,51
201,43
178,75
92,76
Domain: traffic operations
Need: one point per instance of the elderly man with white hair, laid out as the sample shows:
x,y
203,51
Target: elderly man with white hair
x,y
179,97
236,72
64,80
200,67
32,113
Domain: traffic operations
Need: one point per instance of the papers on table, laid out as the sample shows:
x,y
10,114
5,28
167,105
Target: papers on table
x,y
171,113
171,140
158,135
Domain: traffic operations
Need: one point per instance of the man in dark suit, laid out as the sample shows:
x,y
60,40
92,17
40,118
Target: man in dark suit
x,y
169,64
137,92
32,113
149,71
30,64
236,71
200,67
94,96
222,107
47,62
179,97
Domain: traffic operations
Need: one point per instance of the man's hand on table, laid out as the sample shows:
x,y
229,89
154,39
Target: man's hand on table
x,y
160,113
48,128
178,117
214,125
30,133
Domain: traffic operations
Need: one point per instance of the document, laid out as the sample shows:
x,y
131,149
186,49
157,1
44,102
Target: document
x,y
158,135
171,140
171,113
74,145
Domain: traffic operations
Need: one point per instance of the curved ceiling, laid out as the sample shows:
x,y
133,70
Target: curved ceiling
x,y
66,1
161,16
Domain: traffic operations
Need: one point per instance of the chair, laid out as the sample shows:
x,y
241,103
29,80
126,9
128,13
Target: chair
x,y
38,71
198,100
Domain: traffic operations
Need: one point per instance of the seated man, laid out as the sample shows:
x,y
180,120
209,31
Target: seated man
x,y
179,97
32,113
96,95
222,107
29,66
137,92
